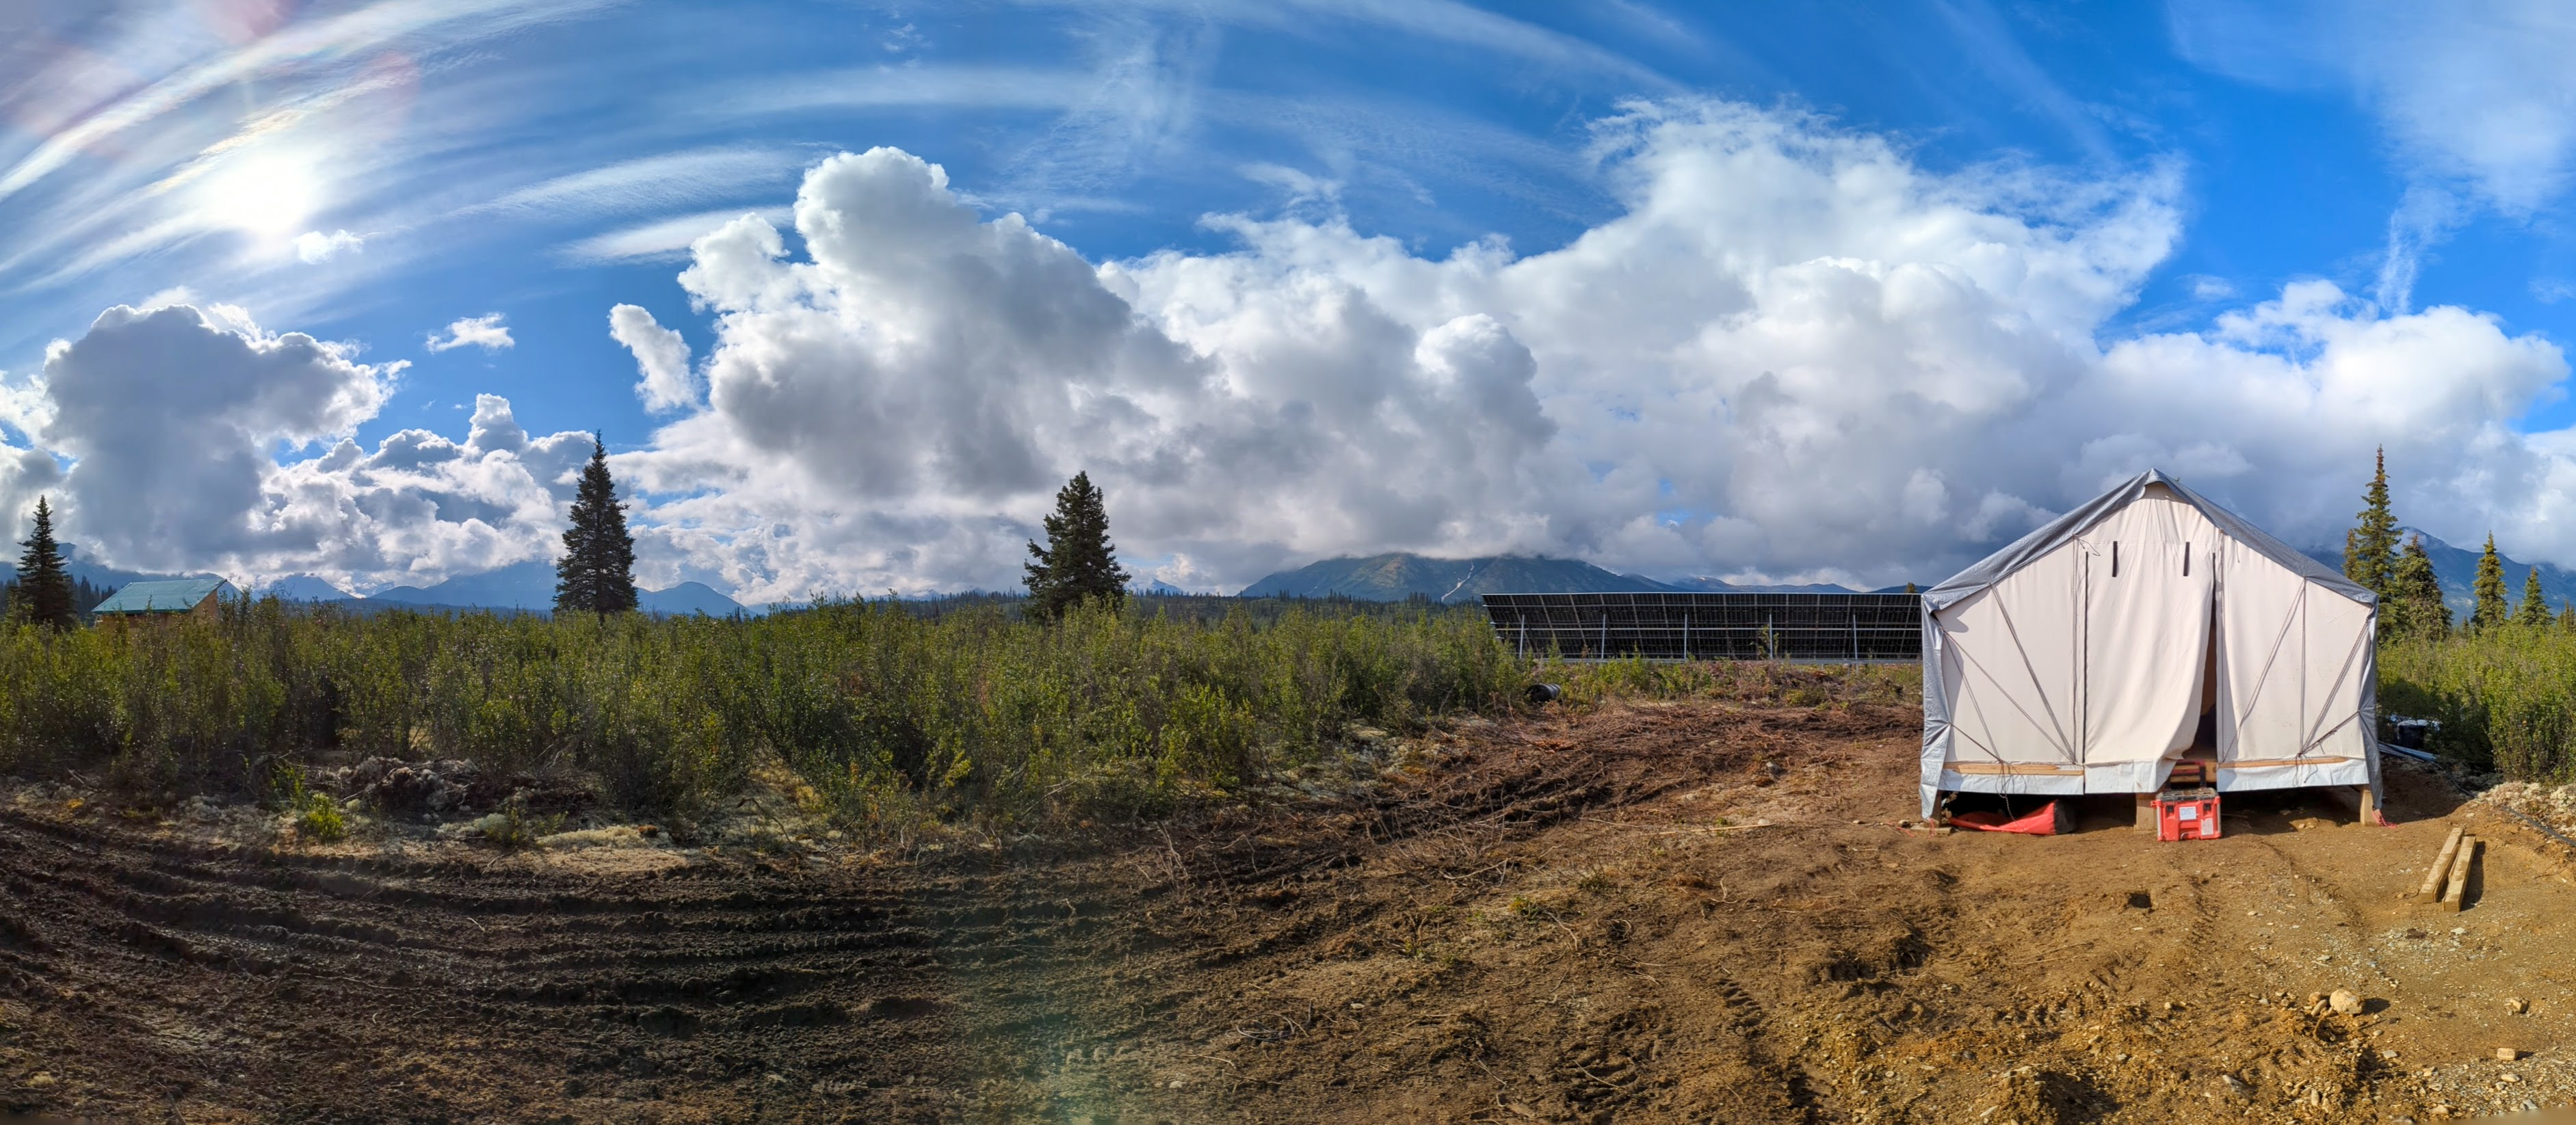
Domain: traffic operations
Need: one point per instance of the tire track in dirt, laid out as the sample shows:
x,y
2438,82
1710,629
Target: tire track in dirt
x,y
1006,986
121,933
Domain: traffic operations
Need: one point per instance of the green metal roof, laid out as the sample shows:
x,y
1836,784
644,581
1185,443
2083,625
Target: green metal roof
x,y
173,596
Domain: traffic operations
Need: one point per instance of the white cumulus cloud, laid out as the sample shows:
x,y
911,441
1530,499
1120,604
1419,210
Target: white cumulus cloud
x,y
172,416
660,355
315,247
421,506
904,401
485,332
1793,354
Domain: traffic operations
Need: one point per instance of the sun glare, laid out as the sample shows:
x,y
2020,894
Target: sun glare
x,y
269,196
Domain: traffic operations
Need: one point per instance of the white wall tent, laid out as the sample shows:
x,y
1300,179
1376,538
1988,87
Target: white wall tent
x,y
2096,651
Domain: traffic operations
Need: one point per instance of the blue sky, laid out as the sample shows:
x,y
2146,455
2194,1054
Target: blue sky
x,y
1295,279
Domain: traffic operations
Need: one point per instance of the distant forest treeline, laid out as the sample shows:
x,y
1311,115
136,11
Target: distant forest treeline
x,y
85,596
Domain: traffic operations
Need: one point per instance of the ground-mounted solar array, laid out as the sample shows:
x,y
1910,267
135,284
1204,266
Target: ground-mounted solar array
x,y
1711,626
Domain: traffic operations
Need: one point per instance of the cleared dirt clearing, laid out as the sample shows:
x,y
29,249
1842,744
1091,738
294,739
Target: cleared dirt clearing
x,y
1645,913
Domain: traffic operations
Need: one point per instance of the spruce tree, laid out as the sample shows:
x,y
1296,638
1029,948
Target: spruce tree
x,y
2415,607
2489,589
2370,548
597,571
2534,610
1078,563
44,588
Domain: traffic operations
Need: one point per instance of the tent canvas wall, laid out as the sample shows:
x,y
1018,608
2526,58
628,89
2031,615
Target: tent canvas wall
x,y
2094,652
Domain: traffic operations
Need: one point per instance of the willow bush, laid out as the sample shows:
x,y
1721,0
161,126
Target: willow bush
x,y
1751,682
875,706
2505,696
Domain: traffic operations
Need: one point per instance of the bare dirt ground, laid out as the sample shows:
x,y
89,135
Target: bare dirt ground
x,y
1687,912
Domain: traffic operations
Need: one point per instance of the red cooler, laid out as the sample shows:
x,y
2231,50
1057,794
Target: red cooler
x,y
2187,814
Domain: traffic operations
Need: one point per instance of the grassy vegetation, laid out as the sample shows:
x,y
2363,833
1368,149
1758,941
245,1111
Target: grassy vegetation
x,y
1773,683
2506,697
880,713
880,710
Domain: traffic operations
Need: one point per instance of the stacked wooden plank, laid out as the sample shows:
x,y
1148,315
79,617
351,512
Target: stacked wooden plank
x,y
2448,878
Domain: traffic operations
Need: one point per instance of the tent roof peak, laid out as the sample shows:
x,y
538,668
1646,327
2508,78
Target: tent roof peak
x,y
2055,533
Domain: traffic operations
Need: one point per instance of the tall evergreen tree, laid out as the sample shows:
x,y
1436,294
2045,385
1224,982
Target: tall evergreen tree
x,y
597,571
44,588
2370,548
2489,589
2534,610
2414,607
1078,563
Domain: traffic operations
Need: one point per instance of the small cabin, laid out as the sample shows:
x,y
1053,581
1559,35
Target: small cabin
x,y
173,600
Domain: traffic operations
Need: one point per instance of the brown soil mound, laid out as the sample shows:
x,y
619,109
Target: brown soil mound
x,y
1648,913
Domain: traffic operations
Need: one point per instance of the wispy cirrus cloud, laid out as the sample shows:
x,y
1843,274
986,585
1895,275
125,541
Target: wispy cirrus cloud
x,y
659,182
1446,21
664,238
328,42
224,133
2477,91
948,86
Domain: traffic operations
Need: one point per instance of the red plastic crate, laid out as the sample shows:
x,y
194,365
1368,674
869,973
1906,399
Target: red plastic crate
x,y
2187,814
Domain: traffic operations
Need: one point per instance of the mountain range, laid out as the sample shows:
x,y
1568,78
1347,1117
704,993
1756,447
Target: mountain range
x,y
527,587
530,586
1397,576
2457,568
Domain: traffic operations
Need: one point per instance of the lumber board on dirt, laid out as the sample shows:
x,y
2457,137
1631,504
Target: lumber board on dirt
x,y
2147,813
2460,874
2439,874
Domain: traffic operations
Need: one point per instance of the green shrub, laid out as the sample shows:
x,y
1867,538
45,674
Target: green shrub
x,y
885,710
316,817
512,829
2506,697
320,820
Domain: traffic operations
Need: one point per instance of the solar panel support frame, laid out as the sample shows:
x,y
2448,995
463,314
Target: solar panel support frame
x,y
1836,628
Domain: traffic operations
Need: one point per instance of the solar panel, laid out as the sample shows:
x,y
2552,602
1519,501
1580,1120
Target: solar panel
x,y
1714,626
